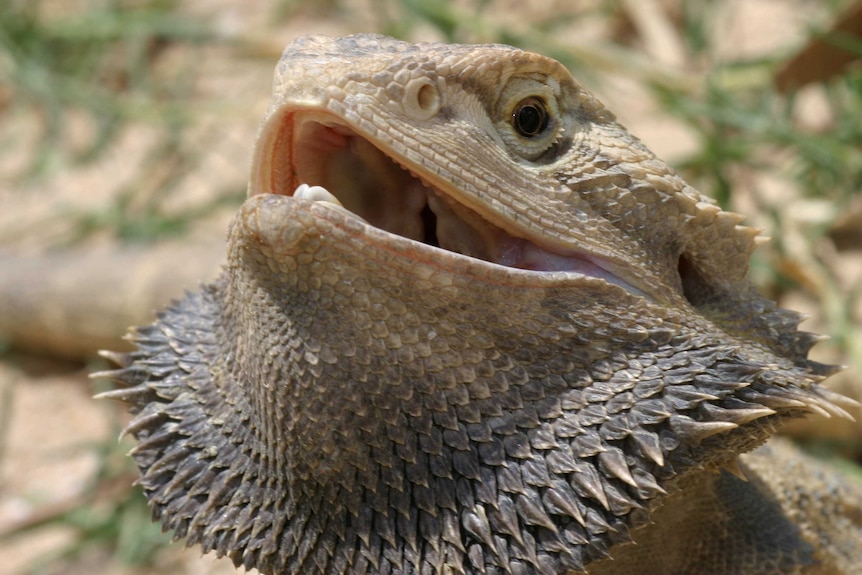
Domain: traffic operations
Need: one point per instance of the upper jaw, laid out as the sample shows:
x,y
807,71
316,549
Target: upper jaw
x,y
317,156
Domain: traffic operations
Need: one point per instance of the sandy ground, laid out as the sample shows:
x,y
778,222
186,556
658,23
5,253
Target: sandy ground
x,y
51,432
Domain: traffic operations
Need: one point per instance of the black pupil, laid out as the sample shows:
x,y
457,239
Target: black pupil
x,y
530,118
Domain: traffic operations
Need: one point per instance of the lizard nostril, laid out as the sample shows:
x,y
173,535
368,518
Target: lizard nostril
x,y
422,99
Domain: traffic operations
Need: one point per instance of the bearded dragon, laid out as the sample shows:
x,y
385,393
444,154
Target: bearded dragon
x,y
470,324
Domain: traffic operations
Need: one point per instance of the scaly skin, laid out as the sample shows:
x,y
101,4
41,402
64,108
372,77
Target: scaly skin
x,y
502,358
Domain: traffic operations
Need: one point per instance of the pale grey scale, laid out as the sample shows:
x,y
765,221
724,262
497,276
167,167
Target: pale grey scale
x,y
621,425
620,504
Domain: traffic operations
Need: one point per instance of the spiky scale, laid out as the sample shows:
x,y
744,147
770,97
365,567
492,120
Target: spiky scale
x,y
476,524
505,518
649,444
733,467
588,481
696,431
613,461
562,501
737,416
531,511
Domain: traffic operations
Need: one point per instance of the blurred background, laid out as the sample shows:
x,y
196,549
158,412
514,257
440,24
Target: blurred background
x,y
126,129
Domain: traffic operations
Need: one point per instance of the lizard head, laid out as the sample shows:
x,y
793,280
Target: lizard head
x,y
500,155
468,324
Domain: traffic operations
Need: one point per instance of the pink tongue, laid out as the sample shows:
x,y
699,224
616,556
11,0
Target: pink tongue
x,y
463,231
522,254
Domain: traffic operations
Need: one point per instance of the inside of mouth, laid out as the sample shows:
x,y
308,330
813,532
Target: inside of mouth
x,y
363,180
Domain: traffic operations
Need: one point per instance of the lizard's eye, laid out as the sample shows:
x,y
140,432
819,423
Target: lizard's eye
x,y
530,117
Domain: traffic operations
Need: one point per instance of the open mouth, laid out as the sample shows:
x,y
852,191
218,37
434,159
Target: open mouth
x,y
318,157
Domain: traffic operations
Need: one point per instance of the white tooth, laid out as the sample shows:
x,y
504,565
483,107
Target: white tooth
x,y
315,194
321,196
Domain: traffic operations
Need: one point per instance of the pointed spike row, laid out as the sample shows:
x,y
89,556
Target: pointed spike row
x,y
738,416
838,411
839,398
815,401
696,431
830,401
814,407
